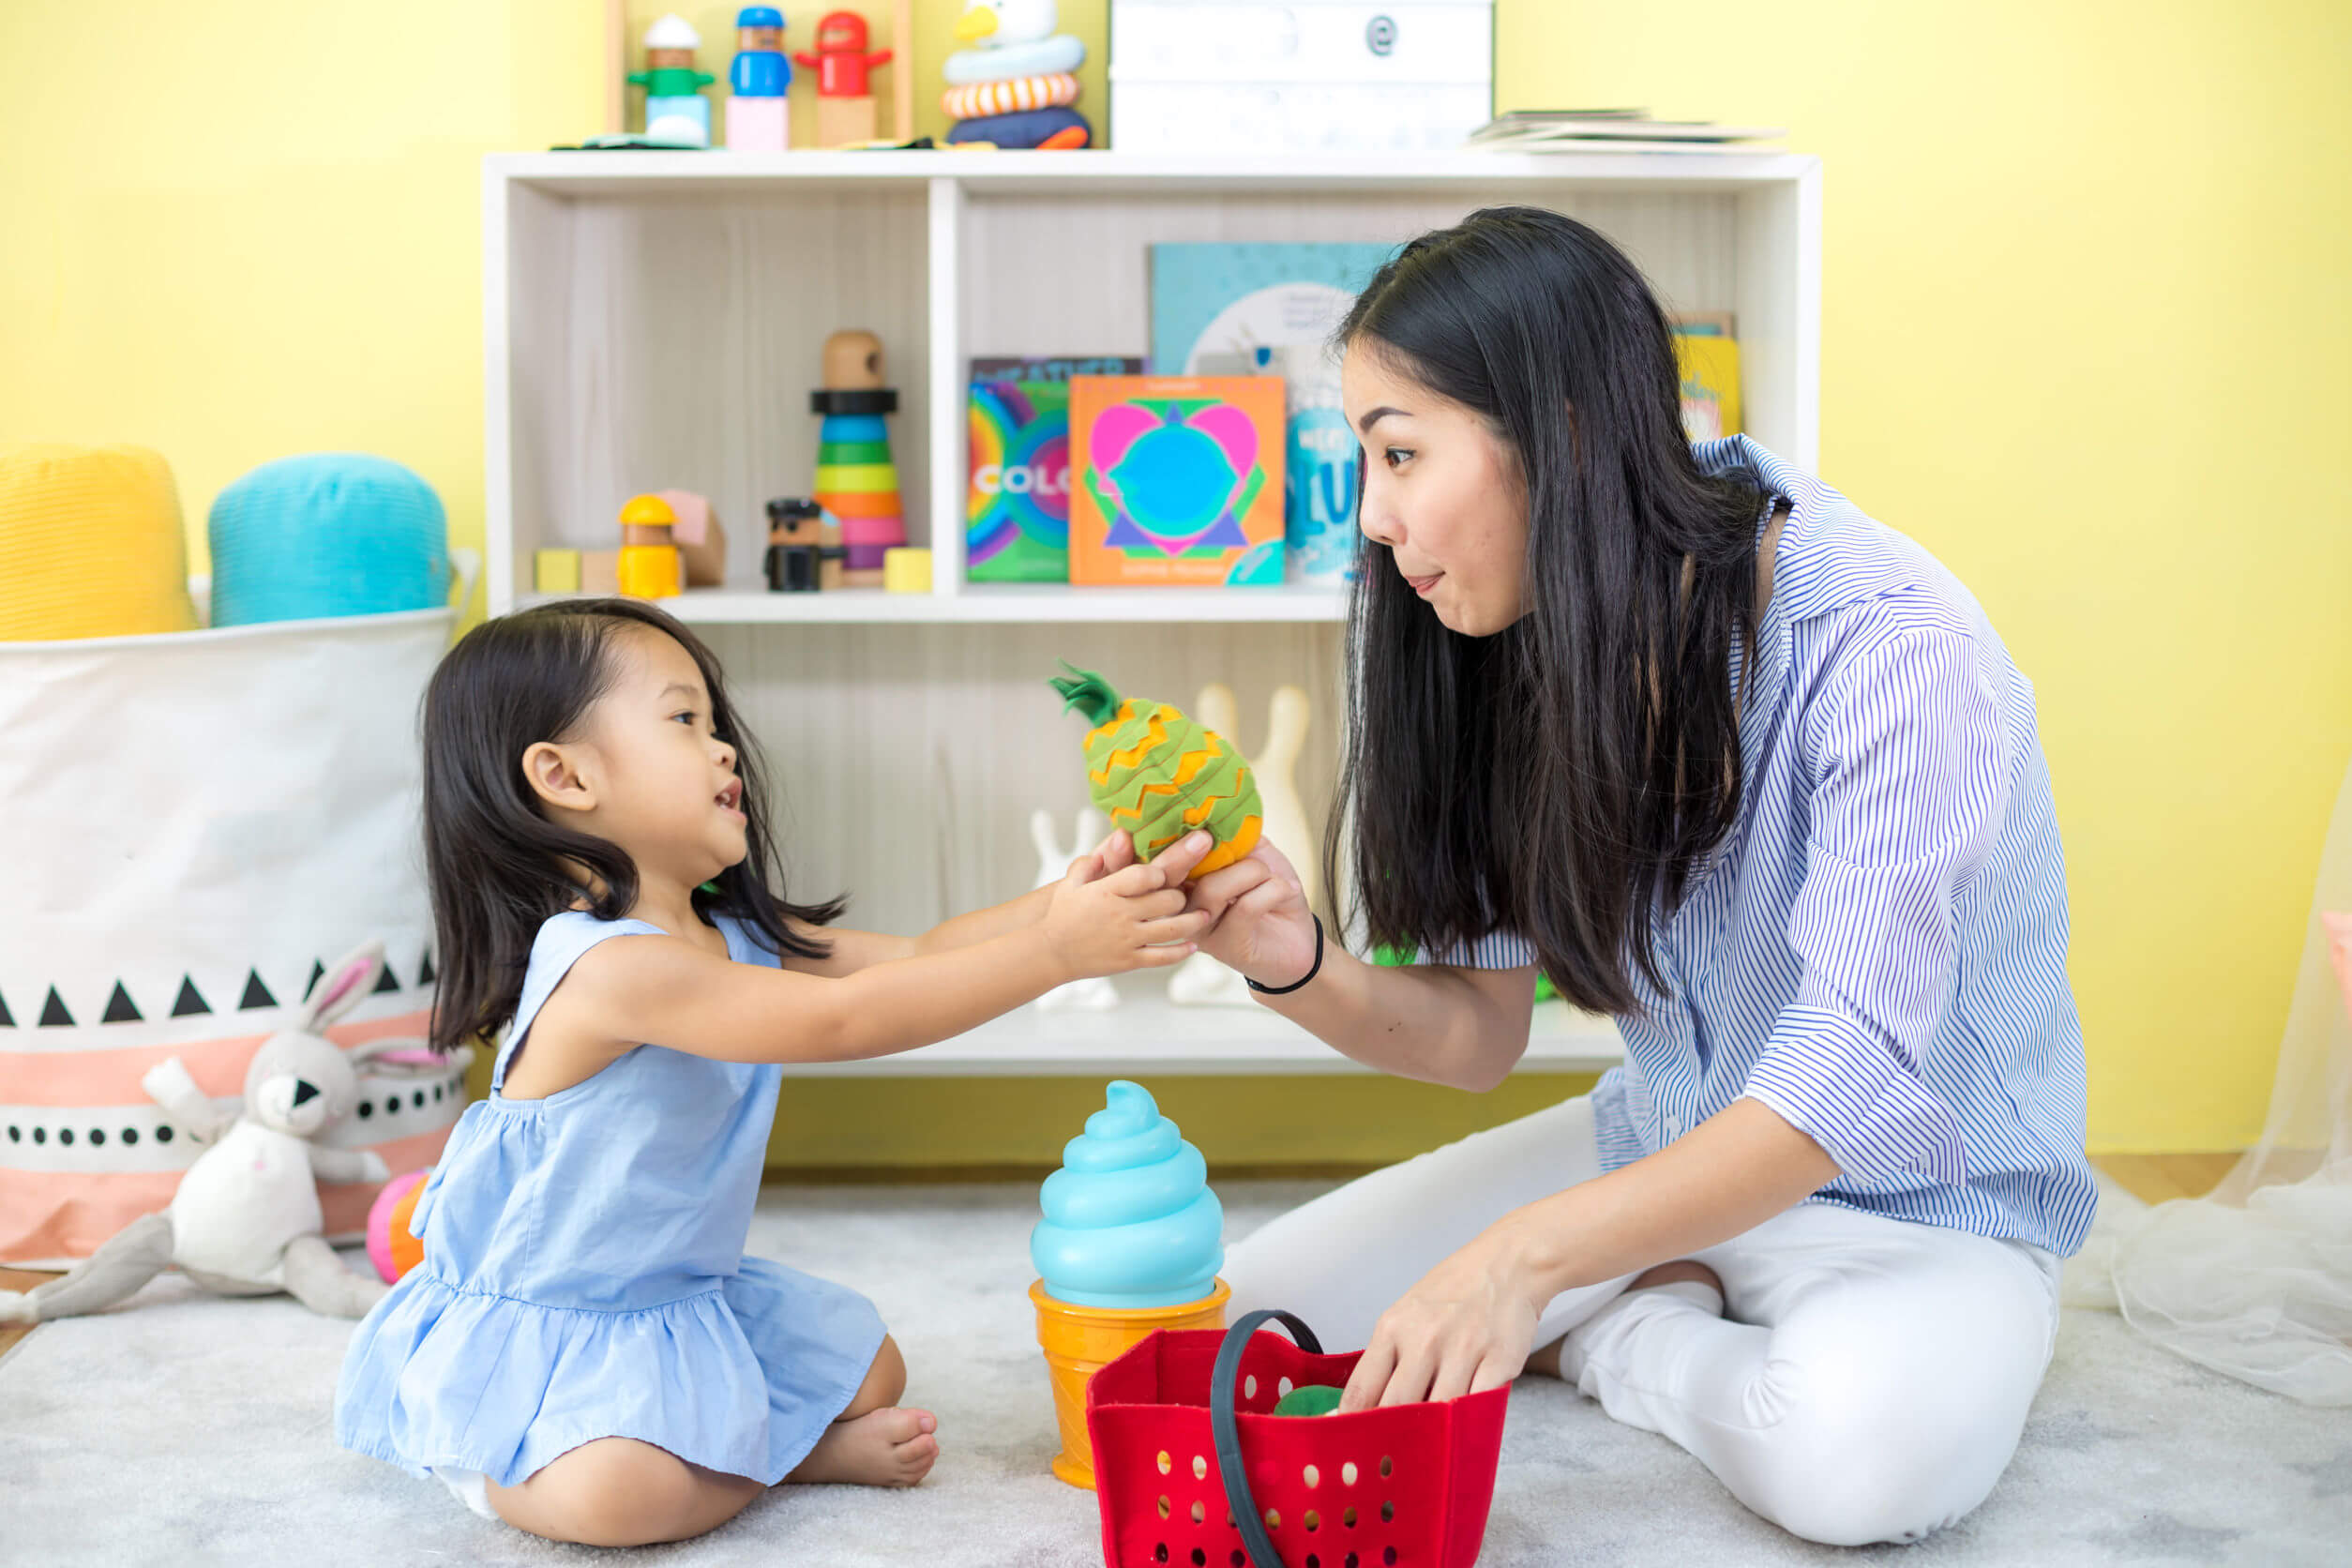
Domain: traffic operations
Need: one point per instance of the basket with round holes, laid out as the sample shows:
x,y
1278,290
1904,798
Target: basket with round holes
x,y
1193,1470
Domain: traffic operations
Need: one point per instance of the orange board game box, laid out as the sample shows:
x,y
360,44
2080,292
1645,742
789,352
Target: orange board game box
x,y
1176,480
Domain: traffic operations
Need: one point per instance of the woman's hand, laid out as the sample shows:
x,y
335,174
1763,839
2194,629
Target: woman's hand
x,y
1467,1326
1261,924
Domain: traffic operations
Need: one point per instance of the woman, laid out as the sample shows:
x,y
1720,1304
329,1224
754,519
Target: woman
x,y
1682,728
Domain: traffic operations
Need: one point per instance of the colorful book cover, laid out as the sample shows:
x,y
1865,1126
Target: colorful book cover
x,y
1016,509
1177,480
1710,382
1318,501
1232,299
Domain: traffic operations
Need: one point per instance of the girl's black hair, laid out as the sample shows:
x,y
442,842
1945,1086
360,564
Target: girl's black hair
x,y
496,866
1562,778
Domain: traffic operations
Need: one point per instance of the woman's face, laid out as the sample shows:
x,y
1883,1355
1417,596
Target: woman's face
x,y
1442,492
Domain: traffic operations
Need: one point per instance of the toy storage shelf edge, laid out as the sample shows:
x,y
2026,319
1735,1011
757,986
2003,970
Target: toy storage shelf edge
x,y
1147,1035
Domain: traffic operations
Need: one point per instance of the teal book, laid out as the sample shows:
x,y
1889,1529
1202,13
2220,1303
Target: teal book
x,y
1219,298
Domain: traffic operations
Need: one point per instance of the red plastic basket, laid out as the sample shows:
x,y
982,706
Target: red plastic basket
x,y
1404,1487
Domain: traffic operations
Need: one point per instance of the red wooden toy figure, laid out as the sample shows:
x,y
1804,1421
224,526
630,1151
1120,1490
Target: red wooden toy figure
x,y
845,107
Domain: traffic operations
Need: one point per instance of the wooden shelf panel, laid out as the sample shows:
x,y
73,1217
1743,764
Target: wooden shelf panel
x,y
642,173
1147,1034
985,604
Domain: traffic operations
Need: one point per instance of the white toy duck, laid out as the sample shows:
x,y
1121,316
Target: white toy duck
x,y
1009,38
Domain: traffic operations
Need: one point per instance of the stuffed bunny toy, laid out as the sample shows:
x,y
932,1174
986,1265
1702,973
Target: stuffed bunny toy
x,y
1053,863
245,1219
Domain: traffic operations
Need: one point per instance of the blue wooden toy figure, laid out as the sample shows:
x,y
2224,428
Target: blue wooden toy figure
x,y
759,118
675,108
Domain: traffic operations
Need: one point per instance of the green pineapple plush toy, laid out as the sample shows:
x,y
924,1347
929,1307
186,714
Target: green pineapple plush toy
x,y
1160,774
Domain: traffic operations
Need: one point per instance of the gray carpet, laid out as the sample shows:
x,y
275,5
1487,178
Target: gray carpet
x,y
183,1429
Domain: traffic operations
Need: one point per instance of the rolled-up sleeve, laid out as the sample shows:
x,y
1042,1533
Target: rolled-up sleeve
x,y
1909,758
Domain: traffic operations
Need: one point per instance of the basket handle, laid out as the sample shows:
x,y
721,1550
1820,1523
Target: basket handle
x,y
1227,1430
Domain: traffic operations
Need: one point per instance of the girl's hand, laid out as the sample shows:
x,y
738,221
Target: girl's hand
x,y
1104,921
1259,921
1467,1327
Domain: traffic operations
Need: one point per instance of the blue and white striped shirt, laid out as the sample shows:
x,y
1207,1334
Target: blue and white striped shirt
x,y
1878,948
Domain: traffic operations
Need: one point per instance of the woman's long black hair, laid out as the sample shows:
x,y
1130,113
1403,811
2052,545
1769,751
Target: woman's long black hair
x,y
1559,779
496,866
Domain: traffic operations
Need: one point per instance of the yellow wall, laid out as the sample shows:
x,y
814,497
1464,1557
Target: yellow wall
x,y
2085,327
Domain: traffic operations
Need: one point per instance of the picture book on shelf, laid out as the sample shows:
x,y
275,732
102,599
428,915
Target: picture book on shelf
x,y
1319,452
1016,512
1215,298
1710,360
1176,481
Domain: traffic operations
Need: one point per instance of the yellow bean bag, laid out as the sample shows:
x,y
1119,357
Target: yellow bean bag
x,y
90,544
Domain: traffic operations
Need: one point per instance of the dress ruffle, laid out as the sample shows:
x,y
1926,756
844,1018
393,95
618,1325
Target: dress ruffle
x,y
742,1379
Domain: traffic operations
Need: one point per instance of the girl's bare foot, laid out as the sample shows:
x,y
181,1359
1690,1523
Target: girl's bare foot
x,y
889,1447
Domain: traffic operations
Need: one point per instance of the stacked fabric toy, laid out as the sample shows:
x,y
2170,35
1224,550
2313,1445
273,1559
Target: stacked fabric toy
x,y
1013,84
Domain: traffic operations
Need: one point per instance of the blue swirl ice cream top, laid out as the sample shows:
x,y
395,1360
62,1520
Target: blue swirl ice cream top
x,y
1129,1219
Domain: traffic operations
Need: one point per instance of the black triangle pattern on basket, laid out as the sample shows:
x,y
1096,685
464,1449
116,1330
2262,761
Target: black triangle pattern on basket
x,y
318,973
190,1001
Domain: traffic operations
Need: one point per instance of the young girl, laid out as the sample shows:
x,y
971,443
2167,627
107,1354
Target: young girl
x,y
585,1351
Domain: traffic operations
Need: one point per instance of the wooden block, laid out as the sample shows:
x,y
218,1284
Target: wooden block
x,y
555,571
871,576
701,542
907,570
841,121
600,572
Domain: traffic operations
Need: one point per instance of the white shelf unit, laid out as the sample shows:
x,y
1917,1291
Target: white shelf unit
x,y
653,320
1147,1035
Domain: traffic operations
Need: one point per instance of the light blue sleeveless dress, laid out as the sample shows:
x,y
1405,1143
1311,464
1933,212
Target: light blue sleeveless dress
x,y
584,1276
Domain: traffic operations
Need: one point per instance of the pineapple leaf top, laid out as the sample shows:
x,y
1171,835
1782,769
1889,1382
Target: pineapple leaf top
x,y
1088,692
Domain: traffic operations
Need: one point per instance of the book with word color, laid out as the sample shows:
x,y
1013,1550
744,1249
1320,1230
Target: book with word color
x,y
1016,510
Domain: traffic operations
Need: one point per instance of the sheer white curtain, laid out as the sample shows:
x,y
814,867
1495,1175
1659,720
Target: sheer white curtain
x,y
2256,1279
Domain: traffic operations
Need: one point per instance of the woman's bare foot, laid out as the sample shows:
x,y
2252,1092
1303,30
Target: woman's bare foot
x,y
889,1447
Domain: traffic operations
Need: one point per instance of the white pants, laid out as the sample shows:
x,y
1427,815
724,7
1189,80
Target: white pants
x,y
1867,1383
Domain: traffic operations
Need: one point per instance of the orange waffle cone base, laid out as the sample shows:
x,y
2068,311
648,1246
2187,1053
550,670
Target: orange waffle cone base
x,y
1080,1341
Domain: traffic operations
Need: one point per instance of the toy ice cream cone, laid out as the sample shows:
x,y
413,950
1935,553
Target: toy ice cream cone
x,y
1080,1341
1131,1241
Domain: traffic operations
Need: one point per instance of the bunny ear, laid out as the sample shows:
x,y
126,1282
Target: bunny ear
x,y
343,985
398,1055
1041,833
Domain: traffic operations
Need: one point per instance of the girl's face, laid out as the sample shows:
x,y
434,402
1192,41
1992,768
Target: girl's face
x,y
645,770
1442,492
